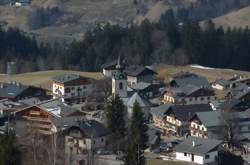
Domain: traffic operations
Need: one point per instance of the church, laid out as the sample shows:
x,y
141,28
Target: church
x,y
128,95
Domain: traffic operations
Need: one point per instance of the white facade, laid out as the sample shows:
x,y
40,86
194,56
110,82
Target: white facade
x,y
190,100
72,91
108,73
189,157
119,87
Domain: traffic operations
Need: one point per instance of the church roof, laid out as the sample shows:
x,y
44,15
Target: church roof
x,y
141,101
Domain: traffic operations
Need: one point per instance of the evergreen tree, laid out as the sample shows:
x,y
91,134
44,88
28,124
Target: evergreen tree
x,y
137,138
115,115
9,153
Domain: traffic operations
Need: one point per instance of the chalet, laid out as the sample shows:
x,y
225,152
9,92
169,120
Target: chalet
x,y
189,94
174,119
198,151
72,88
188,88
16,91
185,78
46,118
214,124
83,139
136,74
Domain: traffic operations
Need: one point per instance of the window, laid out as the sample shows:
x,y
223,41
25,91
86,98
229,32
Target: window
x,y
208,98
120,86
207,157
102,140
185,154
190,99
67,90
202,98
72,88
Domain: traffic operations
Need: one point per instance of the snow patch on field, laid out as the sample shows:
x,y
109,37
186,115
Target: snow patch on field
x,y
200,67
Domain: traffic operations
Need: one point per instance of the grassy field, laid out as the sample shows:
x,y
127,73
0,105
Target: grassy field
x,y
44,78
235,19
165,71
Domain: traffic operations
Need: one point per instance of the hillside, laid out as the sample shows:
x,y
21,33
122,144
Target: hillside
x,y
44,78
238,18
76,16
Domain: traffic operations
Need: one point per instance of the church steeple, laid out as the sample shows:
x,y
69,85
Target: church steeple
x,y
119,81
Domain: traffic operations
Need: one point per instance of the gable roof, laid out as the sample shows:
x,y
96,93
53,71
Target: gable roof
x,y
141,101
210,119
182,112
140,86
185,112
70,79
161,110
139,70
12,90
186,78
201,146
91,128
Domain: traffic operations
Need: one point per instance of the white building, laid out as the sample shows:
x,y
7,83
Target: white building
x,y
197,150
72,87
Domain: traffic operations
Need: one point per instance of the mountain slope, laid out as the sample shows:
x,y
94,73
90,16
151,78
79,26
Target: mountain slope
x,y
238,18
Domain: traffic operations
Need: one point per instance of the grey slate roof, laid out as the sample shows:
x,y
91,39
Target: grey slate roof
x,y
210,119
66,78
201,147
160,110
141,101
137,70
92,128
140,86
223,82
182,112
186,78
185,112
11,90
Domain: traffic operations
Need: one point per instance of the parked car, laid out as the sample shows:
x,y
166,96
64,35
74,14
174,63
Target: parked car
x,y
102,151
120,155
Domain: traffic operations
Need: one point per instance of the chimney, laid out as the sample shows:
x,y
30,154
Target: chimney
x,y
193,143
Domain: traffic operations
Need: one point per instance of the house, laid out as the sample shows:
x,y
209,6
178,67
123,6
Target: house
x,y
46,118
136,74
221,84
109,69
174,119
199,151
82,140
215,124
72,88
189,94
16,91
188,88
182,79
